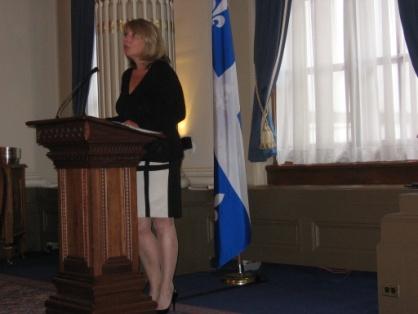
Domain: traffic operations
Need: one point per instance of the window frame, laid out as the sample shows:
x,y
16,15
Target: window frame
x,y
372,172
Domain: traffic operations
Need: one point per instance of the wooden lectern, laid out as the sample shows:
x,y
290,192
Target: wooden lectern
x,y
99,265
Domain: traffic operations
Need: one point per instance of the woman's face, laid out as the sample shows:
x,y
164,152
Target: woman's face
x,y
133,44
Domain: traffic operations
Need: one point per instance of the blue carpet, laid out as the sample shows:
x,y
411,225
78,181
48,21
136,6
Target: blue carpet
x,y
284,289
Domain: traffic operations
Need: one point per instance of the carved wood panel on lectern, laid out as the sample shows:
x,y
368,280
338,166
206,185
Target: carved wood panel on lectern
x,y
100,214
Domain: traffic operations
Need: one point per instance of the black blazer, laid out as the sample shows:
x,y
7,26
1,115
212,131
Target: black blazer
x,y
157,104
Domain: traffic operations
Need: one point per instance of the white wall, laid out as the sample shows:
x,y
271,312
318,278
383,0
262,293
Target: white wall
x,y
28,78
193,65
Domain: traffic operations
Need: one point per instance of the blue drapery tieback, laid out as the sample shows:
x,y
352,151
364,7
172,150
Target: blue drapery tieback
x,y
272,19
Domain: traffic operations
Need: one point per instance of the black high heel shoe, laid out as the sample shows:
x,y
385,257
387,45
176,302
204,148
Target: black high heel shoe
x,y
174,297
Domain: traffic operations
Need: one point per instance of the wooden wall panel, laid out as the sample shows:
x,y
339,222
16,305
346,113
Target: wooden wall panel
x,y
326,226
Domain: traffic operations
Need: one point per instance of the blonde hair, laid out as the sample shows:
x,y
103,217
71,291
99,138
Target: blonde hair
x,y
154,46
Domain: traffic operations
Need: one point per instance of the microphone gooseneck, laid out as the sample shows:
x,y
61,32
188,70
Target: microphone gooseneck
x,y
74,92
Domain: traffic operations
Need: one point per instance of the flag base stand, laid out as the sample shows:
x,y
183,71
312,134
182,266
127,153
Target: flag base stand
x,y
240,278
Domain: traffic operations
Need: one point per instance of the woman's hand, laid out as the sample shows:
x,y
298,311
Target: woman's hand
x,y
131,123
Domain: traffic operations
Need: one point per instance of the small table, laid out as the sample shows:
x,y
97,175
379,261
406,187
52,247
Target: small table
x,y
12,210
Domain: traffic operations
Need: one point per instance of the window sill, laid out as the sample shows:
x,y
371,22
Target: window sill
x,y
393,172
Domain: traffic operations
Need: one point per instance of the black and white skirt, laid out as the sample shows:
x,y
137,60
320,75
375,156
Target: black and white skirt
x,y
158,189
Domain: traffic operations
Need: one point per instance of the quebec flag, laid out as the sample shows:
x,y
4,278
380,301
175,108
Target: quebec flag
x,y
232,219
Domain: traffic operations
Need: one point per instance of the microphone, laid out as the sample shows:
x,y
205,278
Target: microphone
x,y
75,90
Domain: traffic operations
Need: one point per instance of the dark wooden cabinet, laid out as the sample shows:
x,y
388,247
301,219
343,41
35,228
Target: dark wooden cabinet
x,y
12,213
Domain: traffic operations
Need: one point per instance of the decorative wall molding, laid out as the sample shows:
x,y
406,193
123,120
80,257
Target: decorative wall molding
x,y
322,226
337,235
201,177
34,179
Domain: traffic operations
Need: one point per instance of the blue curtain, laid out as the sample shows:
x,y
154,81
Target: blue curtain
x,y
408,10
82,40
271,21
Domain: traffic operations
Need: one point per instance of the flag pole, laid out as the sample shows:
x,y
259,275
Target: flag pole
x,y
241,277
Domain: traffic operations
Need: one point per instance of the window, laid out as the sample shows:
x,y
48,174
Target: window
x,y
346,91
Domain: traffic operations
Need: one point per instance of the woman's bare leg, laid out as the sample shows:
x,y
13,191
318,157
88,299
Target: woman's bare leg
x,y
149,253
167,239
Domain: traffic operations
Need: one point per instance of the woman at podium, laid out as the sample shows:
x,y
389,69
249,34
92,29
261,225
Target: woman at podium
x,y
151,98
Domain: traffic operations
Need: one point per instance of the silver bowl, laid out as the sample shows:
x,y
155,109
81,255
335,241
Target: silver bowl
x,y
10,155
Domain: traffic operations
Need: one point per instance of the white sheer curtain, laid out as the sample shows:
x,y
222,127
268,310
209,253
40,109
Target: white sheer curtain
x,y
346,90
